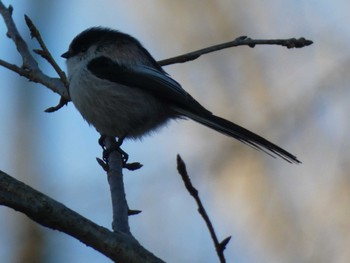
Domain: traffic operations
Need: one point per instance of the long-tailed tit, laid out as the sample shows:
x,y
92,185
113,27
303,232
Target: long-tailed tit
x,y
121,90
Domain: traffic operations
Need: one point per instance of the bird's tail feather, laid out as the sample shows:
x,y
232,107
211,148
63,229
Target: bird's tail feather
x,y
233,130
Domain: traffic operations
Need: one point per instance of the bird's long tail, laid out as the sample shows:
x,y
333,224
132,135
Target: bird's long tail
x,y
233,130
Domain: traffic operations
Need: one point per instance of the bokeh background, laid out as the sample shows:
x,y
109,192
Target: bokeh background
x,y
298,98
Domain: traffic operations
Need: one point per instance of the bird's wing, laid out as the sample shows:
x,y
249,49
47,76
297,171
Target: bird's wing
x,y
149,79
160,85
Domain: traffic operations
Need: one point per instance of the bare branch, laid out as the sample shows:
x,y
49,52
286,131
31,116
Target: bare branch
x,y
240,41
30,68
44,52
14,68
42,209
219,246
116,184
12,32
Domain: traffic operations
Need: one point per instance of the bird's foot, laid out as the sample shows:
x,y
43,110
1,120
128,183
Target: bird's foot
x,y
116,147
101,141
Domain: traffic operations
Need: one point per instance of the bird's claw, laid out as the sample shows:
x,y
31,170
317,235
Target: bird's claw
x,y
116,147
101,141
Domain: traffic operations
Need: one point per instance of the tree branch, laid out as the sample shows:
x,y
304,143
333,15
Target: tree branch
x,y
240,41
29,68
42,209
219,246
44,52
116,184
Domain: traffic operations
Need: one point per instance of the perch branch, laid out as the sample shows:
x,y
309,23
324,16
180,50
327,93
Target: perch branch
x,y
116,184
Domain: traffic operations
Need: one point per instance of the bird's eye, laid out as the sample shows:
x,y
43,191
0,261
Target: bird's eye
x,y
83,49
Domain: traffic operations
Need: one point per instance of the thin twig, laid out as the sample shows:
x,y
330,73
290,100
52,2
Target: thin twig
x,y
219,246
240,41
31,75
30,68
44,52
20,71
12,32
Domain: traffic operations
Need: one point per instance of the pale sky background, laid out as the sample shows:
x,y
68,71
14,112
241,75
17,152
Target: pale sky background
x,y
298,98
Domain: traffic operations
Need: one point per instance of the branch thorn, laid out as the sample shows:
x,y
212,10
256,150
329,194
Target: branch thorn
x,y
132,166
133,212
103,164
224,243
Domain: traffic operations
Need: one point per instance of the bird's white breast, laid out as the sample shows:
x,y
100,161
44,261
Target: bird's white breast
x,y
113,109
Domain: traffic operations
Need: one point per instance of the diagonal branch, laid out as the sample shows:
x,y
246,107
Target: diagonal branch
x,y
28,62
219,246
44,52
12,33
42,209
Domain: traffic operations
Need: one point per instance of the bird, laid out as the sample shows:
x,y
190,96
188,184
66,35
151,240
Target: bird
x,y
121,90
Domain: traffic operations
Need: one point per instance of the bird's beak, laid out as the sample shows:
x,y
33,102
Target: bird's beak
x,y
67,54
